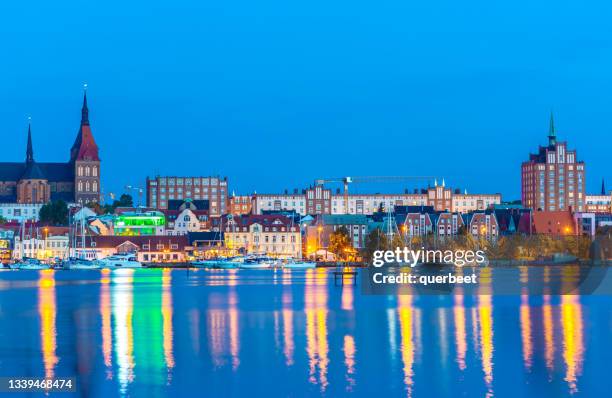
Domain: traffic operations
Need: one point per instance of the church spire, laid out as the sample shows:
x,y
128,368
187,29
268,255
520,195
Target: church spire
x,y
29,150
85,110
603,186
552,136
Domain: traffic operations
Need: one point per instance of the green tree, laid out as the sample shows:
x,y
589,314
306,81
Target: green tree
x,y
54,212
375,240
340,243
125,200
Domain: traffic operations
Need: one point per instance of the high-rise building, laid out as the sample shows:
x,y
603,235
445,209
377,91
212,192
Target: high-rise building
x,y
160,190
553,179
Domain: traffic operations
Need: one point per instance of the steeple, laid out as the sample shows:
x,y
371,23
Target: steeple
x,y
603,186
84,147
552,137
85,110
29,150
31,171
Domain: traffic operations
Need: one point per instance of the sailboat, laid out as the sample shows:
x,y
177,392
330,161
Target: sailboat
x,y
78,261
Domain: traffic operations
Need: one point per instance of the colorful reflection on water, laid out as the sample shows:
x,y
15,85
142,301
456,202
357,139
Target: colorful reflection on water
x,y
233,333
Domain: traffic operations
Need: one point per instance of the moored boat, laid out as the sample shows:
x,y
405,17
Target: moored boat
x,y
78,263
297,264
30,264
120,261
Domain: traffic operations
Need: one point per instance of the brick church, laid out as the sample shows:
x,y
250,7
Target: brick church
x,y
76,181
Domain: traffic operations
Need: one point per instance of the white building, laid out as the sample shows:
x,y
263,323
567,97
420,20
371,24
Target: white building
x,y
42,249
20,212
288,202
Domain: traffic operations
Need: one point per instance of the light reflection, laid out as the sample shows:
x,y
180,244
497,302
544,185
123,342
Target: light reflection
x,y
317,348
485,315
406,331
347,297
460,333
47,311
123,307
288,342
525,320
349,360
549,347
166,308
233,328
105,313
525,316
573,349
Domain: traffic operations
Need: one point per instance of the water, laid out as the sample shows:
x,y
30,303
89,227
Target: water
x,y
220,333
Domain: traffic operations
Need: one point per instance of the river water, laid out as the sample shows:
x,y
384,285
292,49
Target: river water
x,y
157,333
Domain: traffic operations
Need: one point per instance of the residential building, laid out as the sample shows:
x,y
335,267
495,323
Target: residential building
x,y
279,202
78,180
553,179
483,225
598,203
449,224
186,216
147,248
20,212
161,190
42,247
240,204
274,235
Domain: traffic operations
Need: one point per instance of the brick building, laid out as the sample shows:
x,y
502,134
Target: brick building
x,y
553,179
77,181
160,190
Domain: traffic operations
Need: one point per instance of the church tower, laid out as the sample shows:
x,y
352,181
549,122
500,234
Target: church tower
x,y
33,186
85,161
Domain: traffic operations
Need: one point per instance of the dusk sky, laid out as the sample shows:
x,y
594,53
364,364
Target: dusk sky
x,y
274,94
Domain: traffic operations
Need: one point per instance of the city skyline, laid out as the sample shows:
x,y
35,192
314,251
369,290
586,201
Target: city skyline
x,y
457,94
290,186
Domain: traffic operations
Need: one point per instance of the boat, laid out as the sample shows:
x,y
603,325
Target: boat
x,y
119,261
292,263
30,264
219,263
257,263
79,263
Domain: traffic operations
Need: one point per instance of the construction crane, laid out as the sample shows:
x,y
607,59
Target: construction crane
x,y
368,179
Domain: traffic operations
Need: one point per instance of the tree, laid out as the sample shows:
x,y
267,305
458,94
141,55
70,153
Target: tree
x,y
54,212
125,200
340,243
2,220
375,240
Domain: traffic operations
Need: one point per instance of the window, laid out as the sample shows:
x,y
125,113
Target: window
x,y
94,171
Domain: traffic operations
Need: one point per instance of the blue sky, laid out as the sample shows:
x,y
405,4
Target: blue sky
x,y
274,94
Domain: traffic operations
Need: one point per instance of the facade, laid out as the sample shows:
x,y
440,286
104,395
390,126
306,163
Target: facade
x,y
187,216
77,181
449,224
598,203
273,235
50,247
318,200
553,179
240,204
161,190
279,202
20,212
147,248
149,223
483,225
